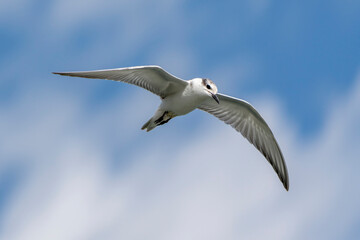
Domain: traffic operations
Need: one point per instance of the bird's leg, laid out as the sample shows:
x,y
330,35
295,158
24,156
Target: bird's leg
x,y
164,118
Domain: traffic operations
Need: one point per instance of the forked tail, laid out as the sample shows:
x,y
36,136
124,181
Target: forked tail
x,y
149,125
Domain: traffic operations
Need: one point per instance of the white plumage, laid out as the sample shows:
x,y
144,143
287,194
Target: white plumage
x,y
180,97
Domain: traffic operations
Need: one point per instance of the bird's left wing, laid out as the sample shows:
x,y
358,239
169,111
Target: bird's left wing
x,y
152,78
246,120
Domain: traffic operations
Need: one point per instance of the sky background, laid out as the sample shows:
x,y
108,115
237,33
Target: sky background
x,y
74,163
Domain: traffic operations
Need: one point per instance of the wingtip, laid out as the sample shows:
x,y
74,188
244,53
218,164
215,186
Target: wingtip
x,y
286,185
63,74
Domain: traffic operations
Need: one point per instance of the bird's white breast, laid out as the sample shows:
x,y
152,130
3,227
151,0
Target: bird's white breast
x,y
183,102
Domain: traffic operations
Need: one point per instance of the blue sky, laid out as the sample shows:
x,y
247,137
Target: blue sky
x,y
75,165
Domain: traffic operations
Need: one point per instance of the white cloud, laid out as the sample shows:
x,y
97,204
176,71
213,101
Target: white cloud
x,y
124,25
208,189
214,185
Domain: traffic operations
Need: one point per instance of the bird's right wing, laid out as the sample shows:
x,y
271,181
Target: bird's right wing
x,y
246,120
152,78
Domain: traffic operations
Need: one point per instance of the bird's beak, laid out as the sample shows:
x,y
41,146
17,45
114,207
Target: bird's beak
x,y
215,98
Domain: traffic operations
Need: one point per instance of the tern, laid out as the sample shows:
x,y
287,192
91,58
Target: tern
x,y
180,97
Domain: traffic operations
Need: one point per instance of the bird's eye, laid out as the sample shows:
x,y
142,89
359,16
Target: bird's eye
x,y
208,86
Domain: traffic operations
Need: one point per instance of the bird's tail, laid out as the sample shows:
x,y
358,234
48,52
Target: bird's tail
x,y
149,125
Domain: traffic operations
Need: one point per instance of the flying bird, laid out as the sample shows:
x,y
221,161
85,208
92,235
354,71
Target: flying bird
x,y
179,97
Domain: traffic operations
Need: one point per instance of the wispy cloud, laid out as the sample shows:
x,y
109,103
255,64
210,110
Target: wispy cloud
x,y
84,170
211,185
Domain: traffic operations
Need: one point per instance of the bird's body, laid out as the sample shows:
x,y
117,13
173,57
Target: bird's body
x,y
179,103
179,97
182,103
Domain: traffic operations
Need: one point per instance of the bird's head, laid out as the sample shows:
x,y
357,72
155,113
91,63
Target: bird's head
x,y
210,88
205,87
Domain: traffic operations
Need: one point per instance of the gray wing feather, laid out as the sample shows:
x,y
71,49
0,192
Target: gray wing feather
x,y
152,78
246,120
